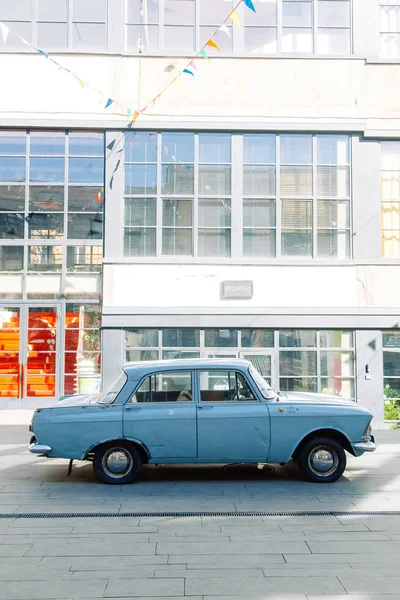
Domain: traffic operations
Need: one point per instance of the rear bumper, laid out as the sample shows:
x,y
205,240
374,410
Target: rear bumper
x,y
41,449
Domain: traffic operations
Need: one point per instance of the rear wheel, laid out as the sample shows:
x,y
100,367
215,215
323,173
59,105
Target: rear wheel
x,y
322,460
117,462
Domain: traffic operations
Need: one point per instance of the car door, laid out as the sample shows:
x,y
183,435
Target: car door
x,y
162,415
232,423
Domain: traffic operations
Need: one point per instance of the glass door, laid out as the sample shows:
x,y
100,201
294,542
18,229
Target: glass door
x,y
29,353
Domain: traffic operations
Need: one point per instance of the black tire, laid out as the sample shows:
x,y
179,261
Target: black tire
x,y
322,460
117,462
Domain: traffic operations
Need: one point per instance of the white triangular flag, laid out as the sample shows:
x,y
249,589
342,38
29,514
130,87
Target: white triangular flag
x,y
225,30
4,31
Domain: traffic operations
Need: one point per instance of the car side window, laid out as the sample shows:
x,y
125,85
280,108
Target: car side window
x,y
169,386
224,386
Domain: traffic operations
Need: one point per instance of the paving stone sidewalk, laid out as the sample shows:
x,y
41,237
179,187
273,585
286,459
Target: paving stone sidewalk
x,y
352,556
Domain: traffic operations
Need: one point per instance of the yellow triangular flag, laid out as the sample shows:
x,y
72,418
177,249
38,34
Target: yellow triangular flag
x,y
80,81
178,84
213,45
235,18
135,116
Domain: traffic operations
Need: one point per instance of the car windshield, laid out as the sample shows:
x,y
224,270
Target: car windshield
x,y
263,385
109,394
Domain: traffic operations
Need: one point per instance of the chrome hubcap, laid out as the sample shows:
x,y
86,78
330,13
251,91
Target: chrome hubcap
x,y
323,461
117,462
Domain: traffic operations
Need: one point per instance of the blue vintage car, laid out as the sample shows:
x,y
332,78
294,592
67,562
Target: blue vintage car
x,y
201,411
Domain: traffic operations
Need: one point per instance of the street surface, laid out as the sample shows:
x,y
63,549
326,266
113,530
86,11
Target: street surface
x,y
330,557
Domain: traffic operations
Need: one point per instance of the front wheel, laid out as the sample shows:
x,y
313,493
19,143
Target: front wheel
x,y
117,462
322,460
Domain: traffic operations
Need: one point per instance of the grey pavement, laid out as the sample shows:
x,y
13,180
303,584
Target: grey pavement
x,y
348,556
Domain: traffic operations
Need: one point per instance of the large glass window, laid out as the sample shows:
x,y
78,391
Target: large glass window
x,y
306,360
295,196
390,29
390,179
187,199
277,26
51,214
391,375
56,24
310,212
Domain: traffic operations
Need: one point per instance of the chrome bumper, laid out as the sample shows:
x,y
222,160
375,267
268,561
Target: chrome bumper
x,y
42,449
365,446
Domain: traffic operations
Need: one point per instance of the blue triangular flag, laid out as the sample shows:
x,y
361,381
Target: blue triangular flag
x,y
249,4
108,103
188,71
111,145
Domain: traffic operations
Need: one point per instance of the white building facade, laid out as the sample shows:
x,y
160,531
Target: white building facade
x,y
252,210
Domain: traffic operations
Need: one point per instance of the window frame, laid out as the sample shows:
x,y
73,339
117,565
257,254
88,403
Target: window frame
x,y
254,400
191,402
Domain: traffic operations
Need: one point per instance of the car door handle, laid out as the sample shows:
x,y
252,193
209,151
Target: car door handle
x,y
206,406
133,408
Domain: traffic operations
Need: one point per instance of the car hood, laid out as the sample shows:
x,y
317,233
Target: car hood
x,y
315,398
76,400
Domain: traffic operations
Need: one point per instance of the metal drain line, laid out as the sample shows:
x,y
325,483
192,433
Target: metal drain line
x,y
297,513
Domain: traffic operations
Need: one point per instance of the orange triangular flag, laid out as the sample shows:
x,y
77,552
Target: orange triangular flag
x,y
213,45
135,116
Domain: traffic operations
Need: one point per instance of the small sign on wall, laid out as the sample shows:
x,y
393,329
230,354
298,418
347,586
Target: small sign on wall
x,y
237,289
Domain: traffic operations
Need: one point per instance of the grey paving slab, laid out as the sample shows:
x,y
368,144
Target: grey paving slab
x,y
355,547
266,585
356,558
84,547
373,584
41,590
14,550
363,536
230,560
233,548
33,573
175,571
101,563
350,597
265,597
145,587
131,571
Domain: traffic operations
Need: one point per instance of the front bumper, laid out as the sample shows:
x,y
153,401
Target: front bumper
x,y
369,446
41,449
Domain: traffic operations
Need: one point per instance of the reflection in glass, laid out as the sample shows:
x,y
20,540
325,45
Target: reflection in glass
x,y
297,338
336,339
338,364
214,148
89,35
140,147
12,168
141,355
140,212
47,144
298,362
45,226
259,181
47,169
84,198
86,170
45,258
11,226
84,259
12,197
257,338
140,241
177,147
336,386
11,258
215,242
220,338
177,179
180,337
86,144
46,198
52,35
391,339
85,226
259,243
141,338
303,384
259,148
140,179
176,241
12,142
215,180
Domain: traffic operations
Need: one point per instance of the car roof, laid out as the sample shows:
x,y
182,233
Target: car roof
x,y
138,369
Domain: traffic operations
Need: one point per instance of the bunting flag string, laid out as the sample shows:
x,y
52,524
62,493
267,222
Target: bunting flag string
x,y
188,69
